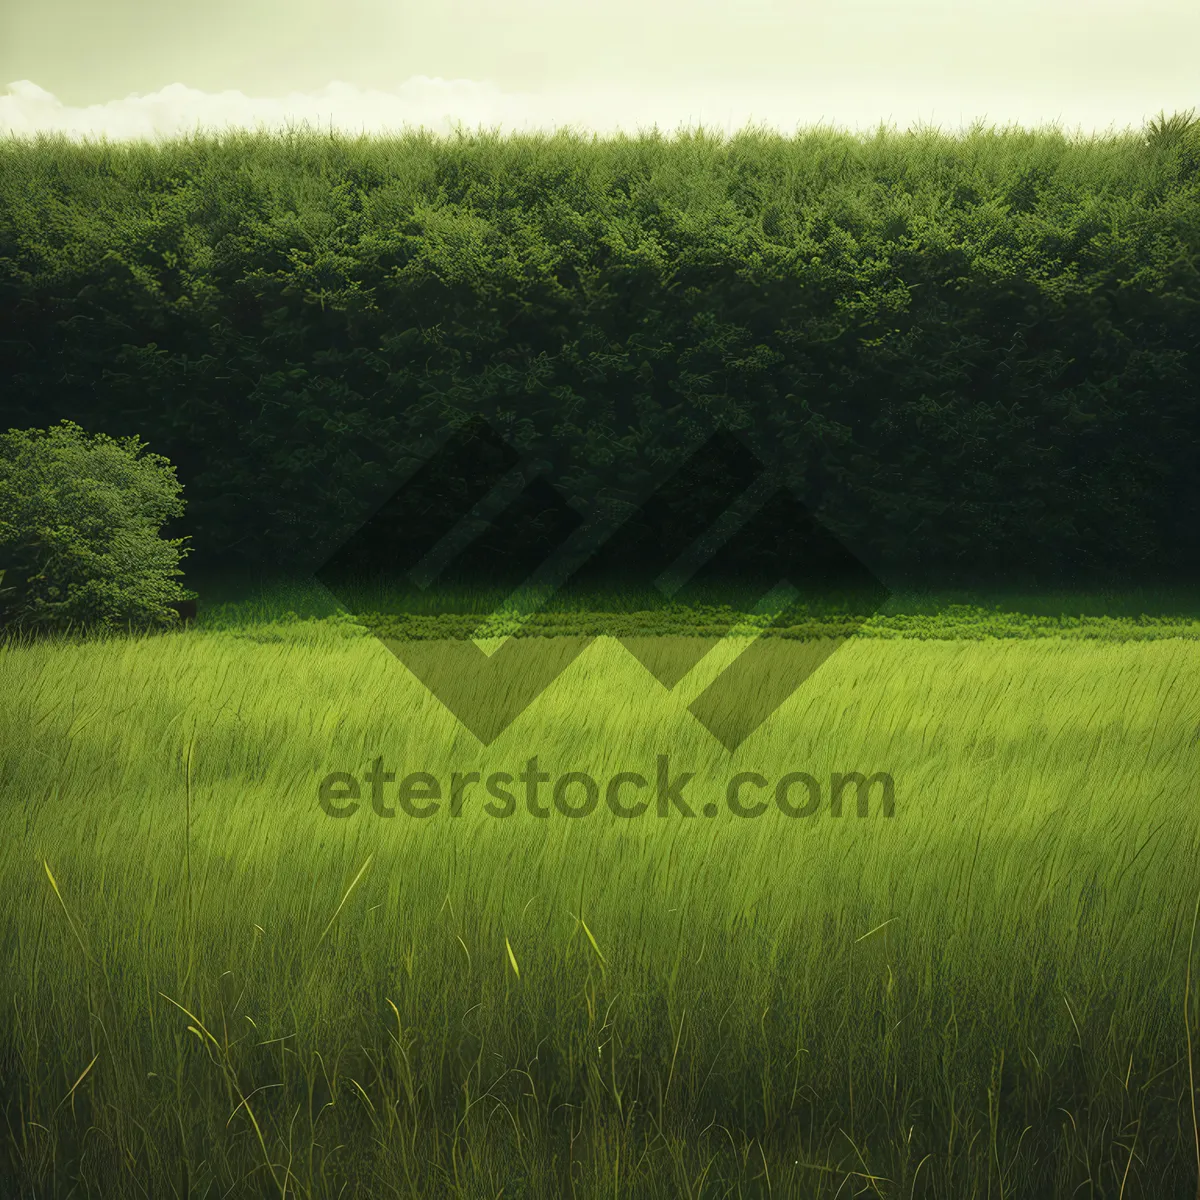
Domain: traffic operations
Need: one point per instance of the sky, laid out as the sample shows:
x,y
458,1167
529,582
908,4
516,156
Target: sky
x,y
144,69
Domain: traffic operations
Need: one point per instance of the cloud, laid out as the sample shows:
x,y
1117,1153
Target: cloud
x,y
178,109
435,103
440,104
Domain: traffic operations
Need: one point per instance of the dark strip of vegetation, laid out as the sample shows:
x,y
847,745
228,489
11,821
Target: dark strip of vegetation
x,y
968,356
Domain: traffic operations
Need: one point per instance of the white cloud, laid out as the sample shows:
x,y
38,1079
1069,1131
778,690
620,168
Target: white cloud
x,y
178,109
438,104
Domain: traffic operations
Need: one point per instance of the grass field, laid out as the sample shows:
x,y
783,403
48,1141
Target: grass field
x,y
215,989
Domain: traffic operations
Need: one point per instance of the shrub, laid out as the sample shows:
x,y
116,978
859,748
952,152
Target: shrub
x,y
79,533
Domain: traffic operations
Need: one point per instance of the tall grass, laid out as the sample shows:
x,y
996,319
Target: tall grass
x,y
214,989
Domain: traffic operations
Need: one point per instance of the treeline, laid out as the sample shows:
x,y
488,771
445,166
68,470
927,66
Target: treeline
x,y
974,359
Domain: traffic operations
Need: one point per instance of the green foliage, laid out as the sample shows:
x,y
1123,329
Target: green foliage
x,y
972,355
79,532
298,610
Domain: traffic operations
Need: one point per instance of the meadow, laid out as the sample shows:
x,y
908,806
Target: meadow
x,y
216,989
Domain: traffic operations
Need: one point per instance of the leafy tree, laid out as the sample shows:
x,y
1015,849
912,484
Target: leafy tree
x,y
79,532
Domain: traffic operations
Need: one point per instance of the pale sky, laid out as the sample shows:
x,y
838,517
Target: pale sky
x,y
147,68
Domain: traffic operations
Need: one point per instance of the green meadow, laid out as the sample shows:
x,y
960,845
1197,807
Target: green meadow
x,y
982,984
